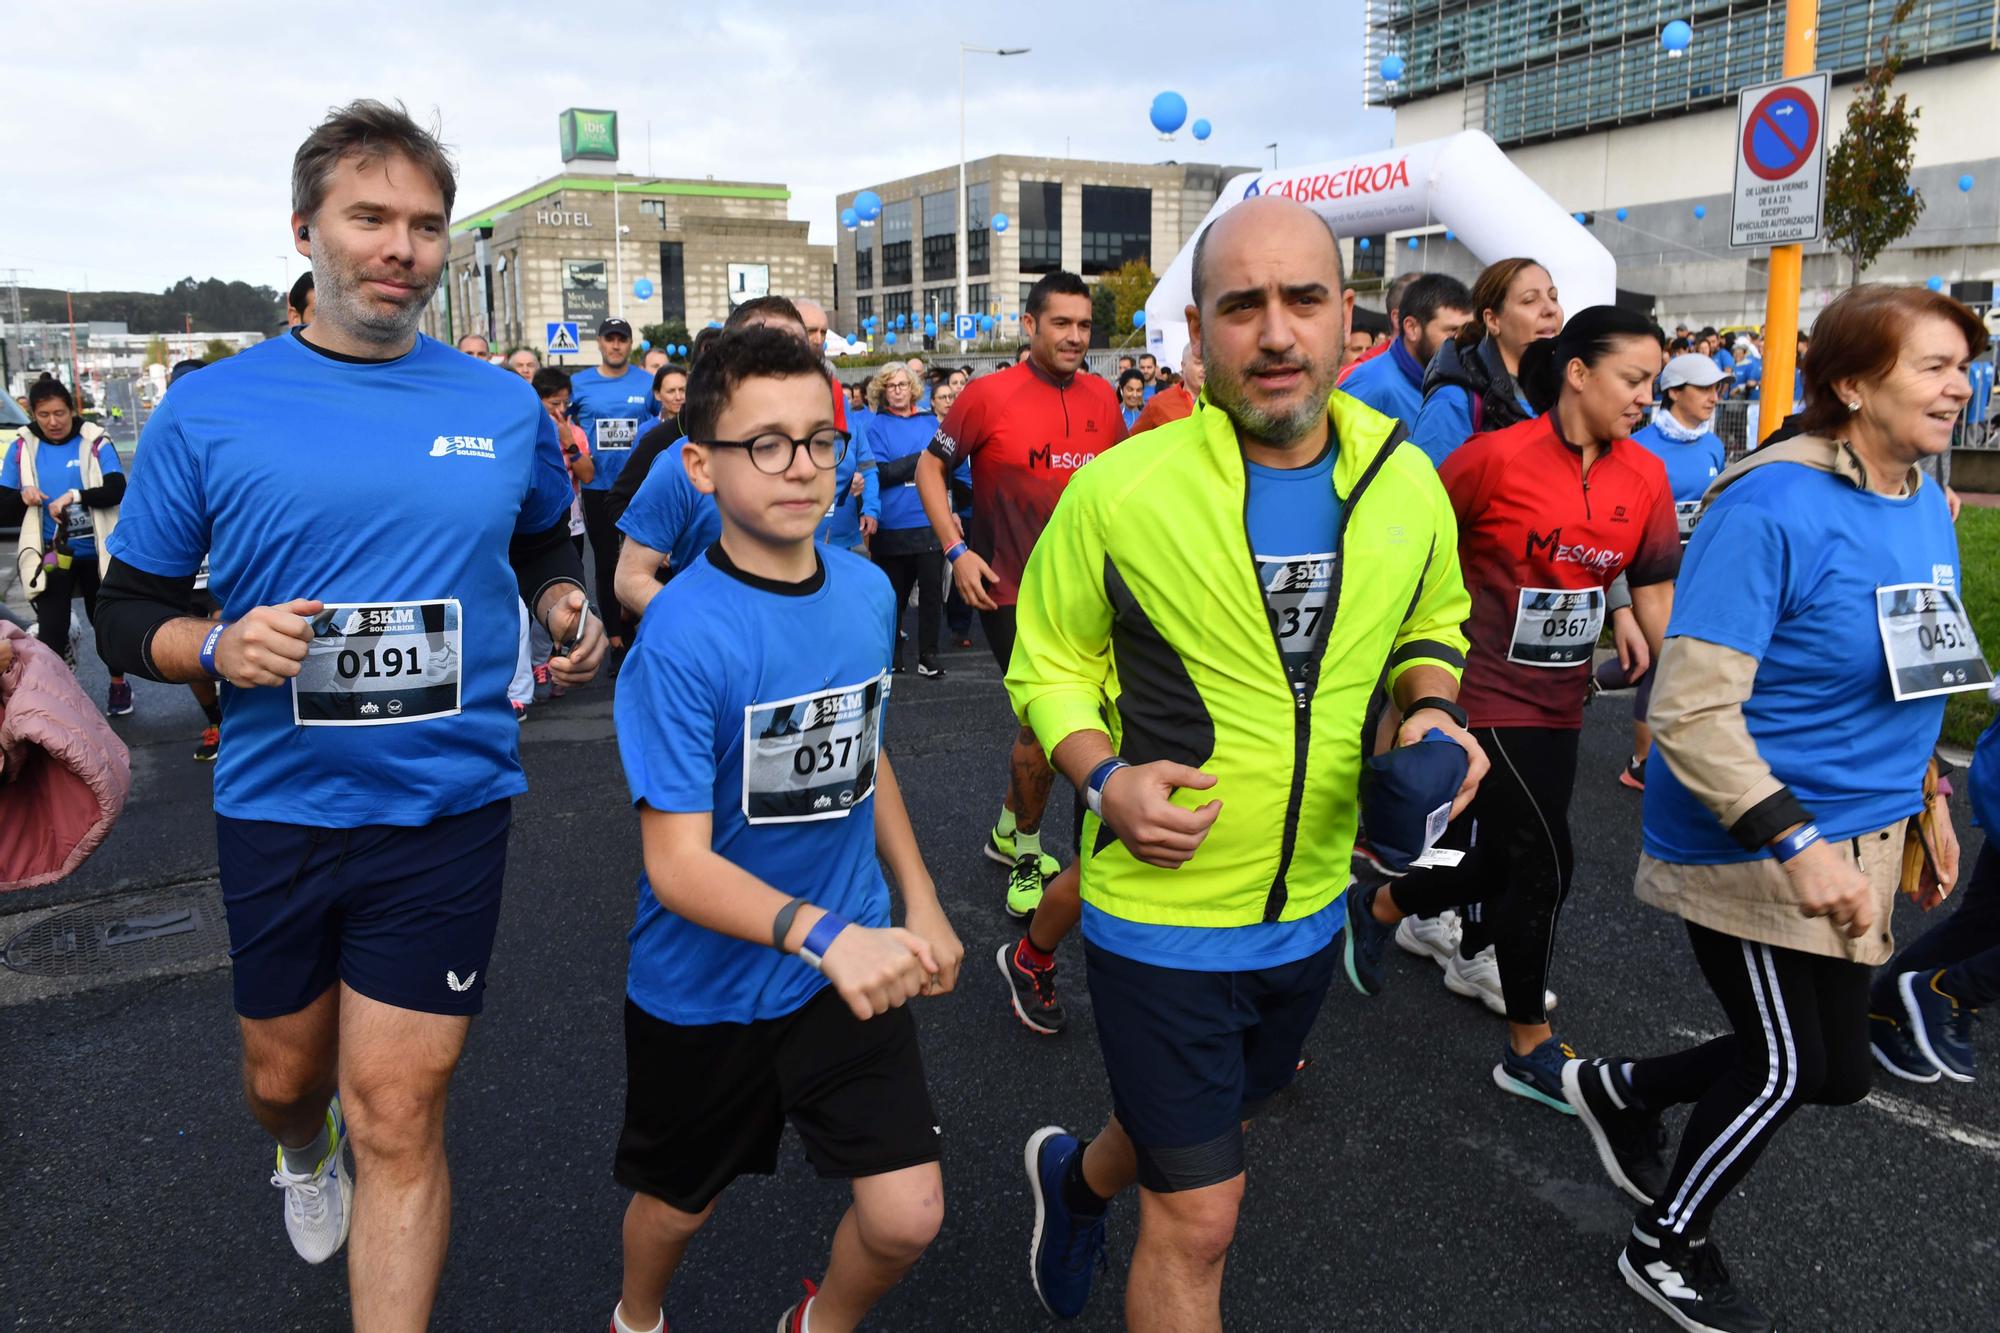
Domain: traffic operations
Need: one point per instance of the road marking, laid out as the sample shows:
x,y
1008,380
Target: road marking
x,y
1902,1110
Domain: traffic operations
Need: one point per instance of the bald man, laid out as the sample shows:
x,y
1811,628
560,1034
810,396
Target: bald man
x,y
1207,962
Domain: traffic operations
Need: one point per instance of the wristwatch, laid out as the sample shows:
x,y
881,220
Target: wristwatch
x,y
1443,705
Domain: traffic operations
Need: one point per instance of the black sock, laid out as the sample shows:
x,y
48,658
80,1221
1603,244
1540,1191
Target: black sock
x,y
214,713
1078,1196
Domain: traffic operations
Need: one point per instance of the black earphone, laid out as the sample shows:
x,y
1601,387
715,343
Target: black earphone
x,y
302,233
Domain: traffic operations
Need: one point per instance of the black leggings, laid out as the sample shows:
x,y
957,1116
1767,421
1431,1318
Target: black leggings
x,y
925,571
1513,881
602,529
52,608
1965,944
1801,1038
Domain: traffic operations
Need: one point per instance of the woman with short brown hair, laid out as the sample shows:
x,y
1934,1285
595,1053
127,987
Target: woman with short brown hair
x,y
1817,629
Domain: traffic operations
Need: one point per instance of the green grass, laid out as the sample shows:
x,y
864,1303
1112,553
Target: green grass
x,y
1966,715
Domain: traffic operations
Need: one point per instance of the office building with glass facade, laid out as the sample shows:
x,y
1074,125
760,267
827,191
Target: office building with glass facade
x,y
1584,98
1090,218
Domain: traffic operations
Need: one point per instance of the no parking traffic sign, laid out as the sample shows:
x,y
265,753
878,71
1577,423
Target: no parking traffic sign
x,y
1780,162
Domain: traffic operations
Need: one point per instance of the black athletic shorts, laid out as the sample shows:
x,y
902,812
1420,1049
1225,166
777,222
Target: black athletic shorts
x,y
999,627
1191,1055
706,1104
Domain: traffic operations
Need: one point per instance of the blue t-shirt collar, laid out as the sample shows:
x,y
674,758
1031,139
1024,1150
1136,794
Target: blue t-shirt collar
x,y
1400,354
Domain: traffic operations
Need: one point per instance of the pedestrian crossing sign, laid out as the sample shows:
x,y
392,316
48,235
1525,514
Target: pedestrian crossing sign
x,y
562,339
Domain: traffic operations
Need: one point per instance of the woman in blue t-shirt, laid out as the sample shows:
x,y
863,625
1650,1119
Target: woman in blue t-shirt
x,y
1469,385
1679,433
70,479
1131,397
1816,631
904,545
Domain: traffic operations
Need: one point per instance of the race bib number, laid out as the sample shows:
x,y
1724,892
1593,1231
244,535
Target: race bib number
x,y
379,664
812,757
1297,592
76,523
1556,627
616,432
1685,513
201,576
1928,640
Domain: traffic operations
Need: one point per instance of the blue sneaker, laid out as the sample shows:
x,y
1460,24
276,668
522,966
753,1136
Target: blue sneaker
x,y
1066,1251
1940,1023
1538,1075
1889,1041
1364,941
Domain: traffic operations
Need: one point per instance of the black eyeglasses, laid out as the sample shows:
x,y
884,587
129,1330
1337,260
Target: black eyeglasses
x,y
774,453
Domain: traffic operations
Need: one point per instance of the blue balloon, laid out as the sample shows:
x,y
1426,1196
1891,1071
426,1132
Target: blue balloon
x,y
1169,112
1622,214
868,205
1909,190
986,323
944,320
1392,69
715,324
891,340
1450,235
849,218
1138,319
1367,244
643,289
1700,212
1413,242
1676,36
1936,283
1965,184
645,344
999,222
1578,217
1202,129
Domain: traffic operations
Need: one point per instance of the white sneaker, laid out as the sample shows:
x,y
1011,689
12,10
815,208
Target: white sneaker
x,y
1436,939
319,1204
1478,978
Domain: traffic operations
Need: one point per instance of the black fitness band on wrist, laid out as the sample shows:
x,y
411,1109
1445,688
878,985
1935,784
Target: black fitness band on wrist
x,y
781,924
1443,705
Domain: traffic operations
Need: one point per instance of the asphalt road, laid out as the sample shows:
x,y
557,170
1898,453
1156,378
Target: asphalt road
x,y
1393,1189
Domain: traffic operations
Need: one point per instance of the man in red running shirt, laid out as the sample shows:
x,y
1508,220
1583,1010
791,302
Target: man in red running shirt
x,y
1027,429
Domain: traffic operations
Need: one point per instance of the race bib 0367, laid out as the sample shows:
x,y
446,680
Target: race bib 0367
x,y
377,664
1556,627
813,756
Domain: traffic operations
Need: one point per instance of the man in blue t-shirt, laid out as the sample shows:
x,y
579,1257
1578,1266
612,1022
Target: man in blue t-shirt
x,y
767,983
1434,308
609,401
370,573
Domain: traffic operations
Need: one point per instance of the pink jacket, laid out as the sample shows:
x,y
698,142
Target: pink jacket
x,y
64,774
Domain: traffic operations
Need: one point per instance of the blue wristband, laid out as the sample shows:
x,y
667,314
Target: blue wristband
x,y
1795,842
208,651
951,556
820,938
1093,786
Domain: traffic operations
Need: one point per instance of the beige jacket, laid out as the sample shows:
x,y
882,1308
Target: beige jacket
x,y
1698,729
29,548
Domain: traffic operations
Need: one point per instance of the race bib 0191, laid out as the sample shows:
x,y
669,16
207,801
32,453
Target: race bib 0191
x,y
1685,514
1297,589
616,432
1556,627
379,663
1928,640
812,757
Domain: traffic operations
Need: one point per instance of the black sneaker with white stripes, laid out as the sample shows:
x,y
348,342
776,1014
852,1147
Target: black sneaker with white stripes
x,y
1689,1284
1631,1141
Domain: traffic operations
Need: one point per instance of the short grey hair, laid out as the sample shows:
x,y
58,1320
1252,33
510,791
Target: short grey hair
x,y
1201,253
372,131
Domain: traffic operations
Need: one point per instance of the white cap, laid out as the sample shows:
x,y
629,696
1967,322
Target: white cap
x,y
1691,368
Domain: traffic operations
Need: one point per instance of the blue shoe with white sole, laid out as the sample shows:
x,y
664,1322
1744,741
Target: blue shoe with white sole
x,y
1067,1250
1538,1075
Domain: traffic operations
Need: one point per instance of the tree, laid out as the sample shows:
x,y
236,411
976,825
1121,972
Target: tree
x,y
156,352
216,350
674,332
1869,201
1103,315
1129,286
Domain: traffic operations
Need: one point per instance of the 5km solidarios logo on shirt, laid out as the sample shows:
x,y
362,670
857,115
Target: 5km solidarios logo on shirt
x,y
465,446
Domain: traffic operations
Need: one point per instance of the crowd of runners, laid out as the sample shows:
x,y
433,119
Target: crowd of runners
x,y
1313,658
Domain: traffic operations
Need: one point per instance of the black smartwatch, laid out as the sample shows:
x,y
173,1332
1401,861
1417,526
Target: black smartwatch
x,y
1443,705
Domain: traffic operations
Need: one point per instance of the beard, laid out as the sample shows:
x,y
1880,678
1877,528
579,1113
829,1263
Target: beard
x,y
1225,388
345,303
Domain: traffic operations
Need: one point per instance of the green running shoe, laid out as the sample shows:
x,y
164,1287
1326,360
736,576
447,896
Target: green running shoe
x,y
1024,884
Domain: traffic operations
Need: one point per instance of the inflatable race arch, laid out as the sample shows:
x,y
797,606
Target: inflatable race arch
x,y
1464,183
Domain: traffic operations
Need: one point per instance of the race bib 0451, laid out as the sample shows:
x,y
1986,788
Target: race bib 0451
x,y
1928,641
813,756
1556,627
376,664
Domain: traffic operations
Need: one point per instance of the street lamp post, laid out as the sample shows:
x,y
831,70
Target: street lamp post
x,y
963,51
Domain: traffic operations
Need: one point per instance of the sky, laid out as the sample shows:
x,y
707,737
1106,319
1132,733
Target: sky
x,y
178,122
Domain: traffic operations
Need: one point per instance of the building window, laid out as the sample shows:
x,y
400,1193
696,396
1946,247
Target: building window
x,y
1026,287
939,220
896,221
895,263
978,299
673,283
895,304
1368,262
978,240
864,307
1041,226
941,256
655,209
864,265
1117,227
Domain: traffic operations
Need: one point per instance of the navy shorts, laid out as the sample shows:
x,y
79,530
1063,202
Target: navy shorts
x,y
1192,1055
403,915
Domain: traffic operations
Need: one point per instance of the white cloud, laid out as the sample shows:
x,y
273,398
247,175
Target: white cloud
x,y
179,122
